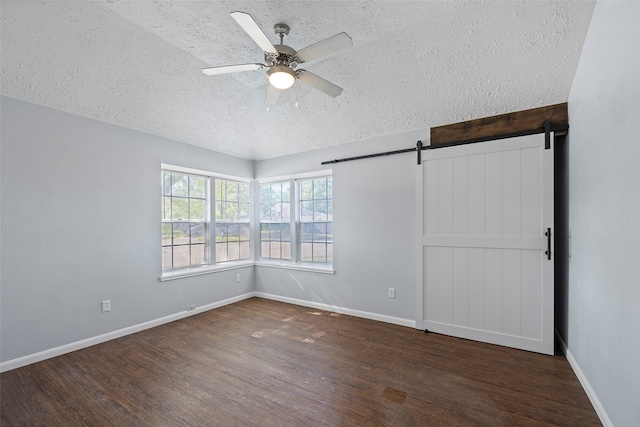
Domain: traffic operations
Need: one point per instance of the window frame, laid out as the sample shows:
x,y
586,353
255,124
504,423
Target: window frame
x,y
294,223
186,224
210,225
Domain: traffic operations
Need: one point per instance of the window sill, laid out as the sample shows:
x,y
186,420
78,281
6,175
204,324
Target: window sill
x,y
316,268
188,272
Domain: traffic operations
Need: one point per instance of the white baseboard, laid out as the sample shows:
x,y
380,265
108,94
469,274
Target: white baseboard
x,y
341,310
591,394
68,348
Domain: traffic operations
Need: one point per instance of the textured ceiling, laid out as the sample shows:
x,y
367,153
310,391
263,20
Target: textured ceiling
x,y
413,65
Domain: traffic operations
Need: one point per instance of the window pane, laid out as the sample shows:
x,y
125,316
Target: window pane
x,y
275,195
221,252
329,210
320,210
286,192
285,232
274,232
286,212
264,250
197,231
265,193
166,207
329,253
180,256
306,252
166,258
245,212
319,252
245,193
166,183
306,211
218,215
197,187
276,212
264,212
221,190
306,189
245,231
231,212
306,232
233,251
196,209
180,233
221,232
166,234
264,231
329,232
286,250
232,191
233,231
275,249
197,255
179,208
244,250
320,232
320,188
180,185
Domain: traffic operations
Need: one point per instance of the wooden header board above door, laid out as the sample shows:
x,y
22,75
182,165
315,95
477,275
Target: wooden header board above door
x,y
503,126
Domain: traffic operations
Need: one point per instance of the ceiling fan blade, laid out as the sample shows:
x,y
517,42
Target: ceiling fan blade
x,y
249,25
319,83
212,71
334,44
273,94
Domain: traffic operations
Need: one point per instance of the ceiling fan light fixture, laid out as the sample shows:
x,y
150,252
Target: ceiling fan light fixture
x,y
281,77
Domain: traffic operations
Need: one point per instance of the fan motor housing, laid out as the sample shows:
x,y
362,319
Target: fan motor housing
x,y
286,55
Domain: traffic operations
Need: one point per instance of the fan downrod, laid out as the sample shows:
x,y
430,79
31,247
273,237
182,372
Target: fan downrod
x,y
281,30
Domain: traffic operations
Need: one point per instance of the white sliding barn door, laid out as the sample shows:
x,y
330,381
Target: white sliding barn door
x,y
482,272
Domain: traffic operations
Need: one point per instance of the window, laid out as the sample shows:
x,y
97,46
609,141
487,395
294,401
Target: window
x,y
316,216
297,225
184,225
205,220
275,218
233,211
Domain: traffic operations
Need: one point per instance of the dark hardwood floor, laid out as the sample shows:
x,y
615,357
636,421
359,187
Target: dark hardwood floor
x,y
260,362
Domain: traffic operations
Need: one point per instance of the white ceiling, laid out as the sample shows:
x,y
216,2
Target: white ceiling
x,y
414,65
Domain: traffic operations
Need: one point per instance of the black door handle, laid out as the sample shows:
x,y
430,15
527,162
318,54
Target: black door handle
x,y
548,251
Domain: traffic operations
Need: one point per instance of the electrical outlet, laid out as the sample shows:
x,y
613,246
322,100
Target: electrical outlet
x,y
237,278
392,292
192,307
106,305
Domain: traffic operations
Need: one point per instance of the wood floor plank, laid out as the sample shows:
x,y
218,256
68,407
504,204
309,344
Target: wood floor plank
x,y
264,363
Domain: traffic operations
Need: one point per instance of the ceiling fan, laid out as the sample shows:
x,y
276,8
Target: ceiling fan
x,y
282,60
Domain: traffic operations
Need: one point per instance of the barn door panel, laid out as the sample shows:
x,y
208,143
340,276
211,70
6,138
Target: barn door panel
x,y
482,272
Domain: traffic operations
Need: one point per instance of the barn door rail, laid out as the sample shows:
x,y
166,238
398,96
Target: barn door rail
x,y
546,128
552,118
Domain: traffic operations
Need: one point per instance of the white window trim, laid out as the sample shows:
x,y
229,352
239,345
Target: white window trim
x,y
191,171
306,175
212,267
255,259
198,271
292,264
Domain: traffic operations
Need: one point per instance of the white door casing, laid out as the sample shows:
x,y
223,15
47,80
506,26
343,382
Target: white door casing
x,y
482,271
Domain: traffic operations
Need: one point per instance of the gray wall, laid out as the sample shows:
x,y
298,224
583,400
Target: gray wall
x,y
79,225
373,229
604,219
